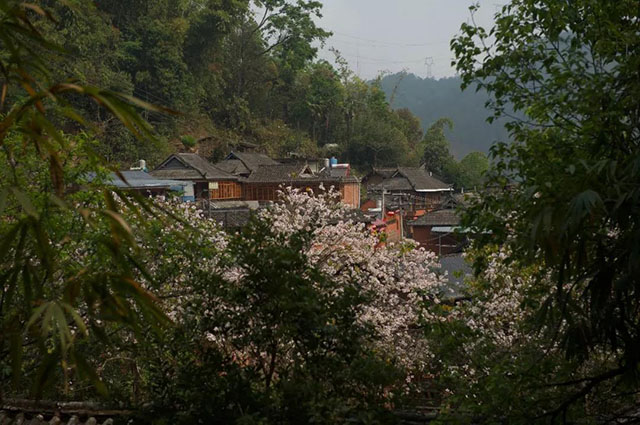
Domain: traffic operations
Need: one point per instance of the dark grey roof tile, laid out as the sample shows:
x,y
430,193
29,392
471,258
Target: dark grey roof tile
x,y
421,180
182,166
447,217
251,160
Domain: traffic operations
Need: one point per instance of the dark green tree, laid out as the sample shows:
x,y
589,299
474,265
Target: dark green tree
x,y
567,188
411,126
472,168
436,155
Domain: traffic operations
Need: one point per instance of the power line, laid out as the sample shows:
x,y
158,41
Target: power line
x,y
391,43
386,60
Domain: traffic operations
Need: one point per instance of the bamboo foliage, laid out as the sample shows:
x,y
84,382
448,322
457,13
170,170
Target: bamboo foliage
x,y
43,303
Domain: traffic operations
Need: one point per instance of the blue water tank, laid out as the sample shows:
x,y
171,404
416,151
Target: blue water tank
x,y
333,161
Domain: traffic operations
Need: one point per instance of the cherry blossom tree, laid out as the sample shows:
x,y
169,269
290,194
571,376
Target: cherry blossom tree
x,y
398,276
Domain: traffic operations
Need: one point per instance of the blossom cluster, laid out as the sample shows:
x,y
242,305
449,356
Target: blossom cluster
x,y
400,277
184,254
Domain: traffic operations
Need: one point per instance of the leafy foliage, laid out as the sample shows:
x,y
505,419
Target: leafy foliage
x,y
564,194
437,157
48,300
235,69
466,174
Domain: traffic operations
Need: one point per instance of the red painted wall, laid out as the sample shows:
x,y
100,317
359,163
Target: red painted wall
x,y
446,244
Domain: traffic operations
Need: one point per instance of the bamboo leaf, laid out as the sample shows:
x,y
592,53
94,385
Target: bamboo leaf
x,y
76,318
85,371
25,202
37,312
16,353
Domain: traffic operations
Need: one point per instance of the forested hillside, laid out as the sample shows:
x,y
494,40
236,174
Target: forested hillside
x,y
232,70
433,99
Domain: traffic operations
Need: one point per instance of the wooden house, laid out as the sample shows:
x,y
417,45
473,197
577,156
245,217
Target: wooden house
x,y
378,175
242,164
264,183
410,189
249,176
262,177
210,182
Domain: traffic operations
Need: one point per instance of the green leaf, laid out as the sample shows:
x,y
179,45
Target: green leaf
x,y
76,318
25,202
85,371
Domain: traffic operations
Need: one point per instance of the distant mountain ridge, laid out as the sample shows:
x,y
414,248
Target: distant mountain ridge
x,y
431,99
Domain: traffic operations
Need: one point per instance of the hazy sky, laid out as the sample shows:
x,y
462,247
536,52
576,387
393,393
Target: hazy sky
x,y
392,35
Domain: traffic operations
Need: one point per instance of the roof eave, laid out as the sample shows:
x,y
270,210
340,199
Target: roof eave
x,y
450,189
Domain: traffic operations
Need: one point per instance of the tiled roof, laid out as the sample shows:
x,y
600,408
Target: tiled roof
x,y
395,183
251,160
384,172
329,175
193,167
6,418
138,179
339,172
278,173
457,269
283,173
447,217
23,412
232,218
233,166
421,180
177,174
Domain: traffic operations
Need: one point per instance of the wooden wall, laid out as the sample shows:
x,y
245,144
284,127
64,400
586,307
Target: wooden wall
x,y
226,190
350,194
428,200
260,192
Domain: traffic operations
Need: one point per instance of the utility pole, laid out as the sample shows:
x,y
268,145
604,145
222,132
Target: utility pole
x,y
401,223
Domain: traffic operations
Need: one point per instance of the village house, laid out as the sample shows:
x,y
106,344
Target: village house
x,y
264,183
413,190
249,176
210,182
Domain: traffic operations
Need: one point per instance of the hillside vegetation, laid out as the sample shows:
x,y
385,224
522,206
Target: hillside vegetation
x,y
431,99
233,70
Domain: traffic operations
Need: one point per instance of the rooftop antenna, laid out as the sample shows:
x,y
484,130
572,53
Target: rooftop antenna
x,y
429,62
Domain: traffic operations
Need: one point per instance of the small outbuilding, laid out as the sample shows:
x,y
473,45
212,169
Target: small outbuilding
x,y
436,231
